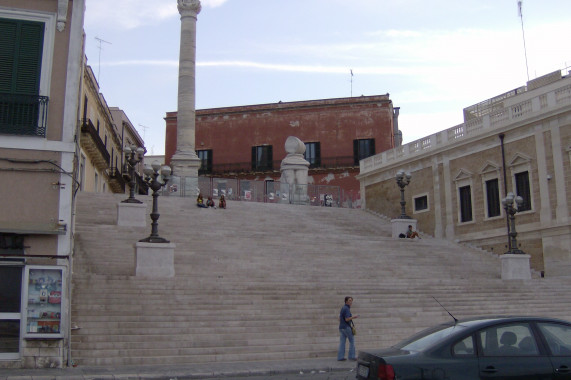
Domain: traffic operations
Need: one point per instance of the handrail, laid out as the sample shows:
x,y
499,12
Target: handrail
x,y
22,114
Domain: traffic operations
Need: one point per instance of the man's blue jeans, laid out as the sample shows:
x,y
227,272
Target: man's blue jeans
x,y
345,334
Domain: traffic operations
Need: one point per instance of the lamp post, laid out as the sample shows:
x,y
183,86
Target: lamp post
x,y
151,177
508,203
403,179
133,155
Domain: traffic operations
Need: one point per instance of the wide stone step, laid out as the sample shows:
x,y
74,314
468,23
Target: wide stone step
x,y
240,273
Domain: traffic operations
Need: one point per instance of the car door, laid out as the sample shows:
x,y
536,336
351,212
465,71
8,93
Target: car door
x,y
511,351
557,337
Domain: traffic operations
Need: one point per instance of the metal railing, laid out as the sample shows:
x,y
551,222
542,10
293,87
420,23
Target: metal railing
x,y
260,191
23,114
246,167
88,128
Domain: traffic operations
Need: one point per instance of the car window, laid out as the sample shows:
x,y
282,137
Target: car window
x,y
508,340
465,347
558,338
421,342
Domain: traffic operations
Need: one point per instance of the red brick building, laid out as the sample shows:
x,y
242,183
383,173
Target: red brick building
x,y
247,142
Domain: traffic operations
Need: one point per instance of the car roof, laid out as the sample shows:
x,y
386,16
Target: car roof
x,y
483,320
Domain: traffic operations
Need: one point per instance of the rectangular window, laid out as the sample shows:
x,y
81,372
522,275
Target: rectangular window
x,y
21,106
421,203
493,198
465,194
362,149
262,158
313,154
522,189
205,157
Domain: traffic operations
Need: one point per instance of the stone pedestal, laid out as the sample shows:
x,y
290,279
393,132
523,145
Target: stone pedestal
x,y
155,259
515,267
132,214
400,226
294,170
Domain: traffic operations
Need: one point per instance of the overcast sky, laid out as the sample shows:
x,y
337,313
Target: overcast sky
x,y
434,57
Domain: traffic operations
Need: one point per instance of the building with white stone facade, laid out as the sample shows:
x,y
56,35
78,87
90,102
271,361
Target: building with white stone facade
x,y
458,178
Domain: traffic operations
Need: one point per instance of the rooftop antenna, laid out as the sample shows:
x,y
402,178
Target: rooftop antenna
x,y
144,127
520,13
351,70
100,48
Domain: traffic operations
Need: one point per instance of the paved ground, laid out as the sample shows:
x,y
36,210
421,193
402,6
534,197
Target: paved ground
x,y
258,370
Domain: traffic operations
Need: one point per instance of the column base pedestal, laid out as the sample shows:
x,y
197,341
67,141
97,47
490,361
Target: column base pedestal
x,y
155,260
132,214
515,266
400,226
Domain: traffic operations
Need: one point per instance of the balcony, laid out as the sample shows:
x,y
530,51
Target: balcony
x,y
116,181
23,114
92,144
327,163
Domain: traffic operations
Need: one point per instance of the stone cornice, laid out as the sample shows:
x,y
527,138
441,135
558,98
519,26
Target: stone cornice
x,y
189,7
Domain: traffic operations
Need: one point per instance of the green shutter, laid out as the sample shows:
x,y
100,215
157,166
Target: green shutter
x,y
21,48
7,53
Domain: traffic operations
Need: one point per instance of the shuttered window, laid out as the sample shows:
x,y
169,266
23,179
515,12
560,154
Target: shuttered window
x,y
20,56
22,110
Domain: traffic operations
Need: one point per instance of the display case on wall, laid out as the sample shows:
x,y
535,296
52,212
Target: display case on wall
x,y
44,302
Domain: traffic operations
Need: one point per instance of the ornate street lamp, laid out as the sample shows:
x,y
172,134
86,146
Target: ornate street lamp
x,y
508,203
151,178
403,179
133,155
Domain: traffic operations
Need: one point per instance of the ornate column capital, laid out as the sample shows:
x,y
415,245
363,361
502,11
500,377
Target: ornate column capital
x,y
189,7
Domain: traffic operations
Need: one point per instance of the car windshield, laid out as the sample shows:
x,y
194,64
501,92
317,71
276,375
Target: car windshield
x,y
428,337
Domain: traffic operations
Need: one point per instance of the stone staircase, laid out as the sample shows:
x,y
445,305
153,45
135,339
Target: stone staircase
x,y
266,282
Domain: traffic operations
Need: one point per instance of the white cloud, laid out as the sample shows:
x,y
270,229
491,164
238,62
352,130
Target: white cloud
x,y
130,14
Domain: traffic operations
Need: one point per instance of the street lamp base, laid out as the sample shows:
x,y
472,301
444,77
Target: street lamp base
x,y
515,252
131,200
154,239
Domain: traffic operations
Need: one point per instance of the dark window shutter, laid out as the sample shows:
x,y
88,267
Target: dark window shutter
x,y
356,152
317,154
30,58
21,48
270,164
522,189
8,31
372,147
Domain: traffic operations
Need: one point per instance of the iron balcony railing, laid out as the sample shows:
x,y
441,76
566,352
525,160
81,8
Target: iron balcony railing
x,y
23,114
88,128
246,167
116,176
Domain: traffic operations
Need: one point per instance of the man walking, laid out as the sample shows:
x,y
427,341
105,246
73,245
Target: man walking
x,y
345,331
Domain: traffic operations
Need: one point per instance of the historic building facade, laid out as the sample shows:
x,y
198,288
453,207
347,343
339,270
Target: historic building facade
x,y
517,142
41,61
248,141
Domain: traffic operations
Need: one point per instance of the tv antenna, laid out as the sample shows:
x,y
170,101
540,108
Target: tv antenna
x,y
520,13
144,127
351,70
100,40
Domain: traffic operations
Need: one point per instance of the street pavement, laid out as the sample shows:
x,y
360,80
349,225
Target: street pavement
x,y
259,370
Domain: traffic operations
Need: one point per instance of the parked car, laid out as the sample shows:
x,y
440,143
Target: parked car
x,y
522,348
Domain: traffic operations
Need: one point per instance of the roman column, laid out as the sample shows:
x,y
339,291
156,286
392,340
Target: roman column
x,y
185,162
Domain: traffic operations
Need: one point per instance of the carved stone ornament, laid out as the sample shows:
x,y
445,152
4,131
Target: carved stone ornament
x,y
189,5
61,14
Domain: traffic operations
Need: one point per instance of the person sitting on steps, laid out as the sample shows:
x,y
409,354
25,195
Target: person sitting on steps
x,y
411,234
200,201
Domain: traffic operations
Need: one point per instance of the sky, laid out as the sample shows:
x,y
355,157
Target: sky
x,y
434,57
